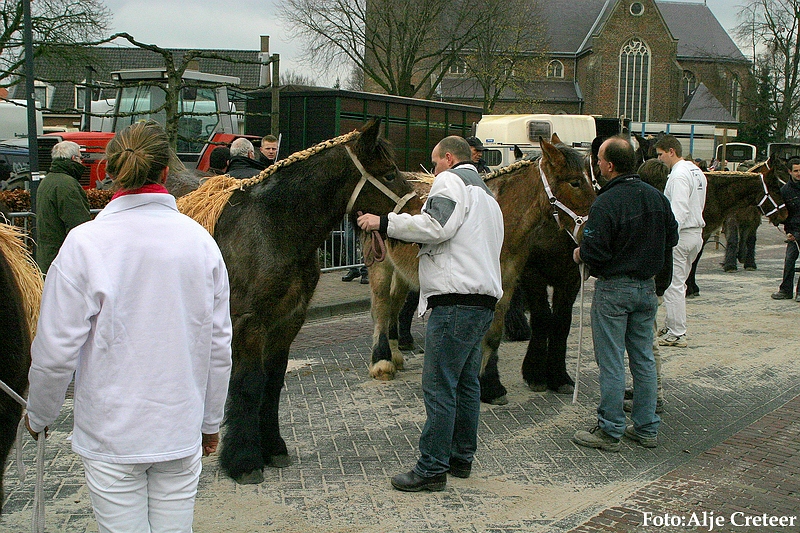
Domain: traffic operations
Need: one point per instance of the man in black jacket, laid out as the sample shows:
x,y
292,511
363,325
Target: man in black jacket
x,y
629,235
243,163
791,196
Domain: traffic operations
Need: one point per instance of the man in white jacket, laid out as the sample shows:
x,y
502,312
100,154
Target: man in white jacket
x,y
686,189
460,232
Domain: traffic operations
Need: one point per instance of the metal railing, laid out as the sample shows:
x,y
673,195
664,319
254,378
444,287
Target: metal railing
x,y
341,250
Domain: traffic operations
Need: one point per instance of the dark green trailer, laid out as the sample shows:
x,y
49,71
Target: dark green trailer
x,y
309,115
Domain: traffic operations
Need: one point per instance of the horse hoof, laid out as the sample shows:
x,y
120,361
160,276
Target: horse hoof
x,y
254,477
279,461
538,387
500,400
566,388
383,370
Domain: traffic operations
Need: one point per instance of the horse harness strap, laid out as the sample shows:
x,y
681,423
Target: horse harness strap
x,y
556,204
367,177
767,199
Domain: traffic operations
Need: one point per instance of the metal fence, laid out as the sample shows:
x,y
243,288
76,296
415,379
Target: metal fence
x,y
342,249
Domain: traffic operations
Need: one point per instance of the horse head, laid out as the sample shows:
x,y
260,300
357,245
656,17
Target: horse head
x,y
568,187
775,174
380,187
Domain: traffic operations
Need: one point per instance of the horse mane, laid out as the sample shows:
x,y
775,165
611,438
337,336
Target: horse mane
x,y
758,165
513,167
206,203
731,174
26,272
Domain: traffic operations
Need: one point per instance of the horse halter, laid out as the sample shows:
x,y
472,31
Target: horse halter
x,y
556,205
767,199
367,177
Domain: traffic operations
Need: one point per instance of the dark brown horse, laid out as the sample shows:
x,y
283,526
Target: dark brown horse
x,y
269,234
15,332
529,229
730,192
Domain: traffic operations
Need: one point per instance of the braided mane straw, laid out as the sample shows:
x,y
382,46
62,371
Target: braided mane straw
x,y
732,174
206,203
26,272
510,168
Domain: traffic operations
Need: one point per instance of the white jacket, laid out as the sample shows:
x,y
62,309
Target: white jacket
x,y
137,304
686,189
460,232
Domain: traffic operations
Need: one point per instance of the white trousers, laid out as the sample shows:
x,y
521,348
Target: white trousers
x,y
144,498
684,253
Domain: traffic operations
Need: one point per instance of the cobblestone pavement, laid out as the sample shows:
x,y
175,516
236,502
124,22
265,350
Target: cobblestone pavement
x,y
730,441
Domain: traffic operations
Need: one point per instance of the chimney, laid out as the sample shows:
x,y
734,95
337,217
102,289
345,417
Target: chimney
x,y
264,59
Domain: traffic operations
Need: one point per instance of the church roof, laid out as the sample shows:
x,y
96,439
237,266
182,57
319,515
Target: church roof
x,y
703,107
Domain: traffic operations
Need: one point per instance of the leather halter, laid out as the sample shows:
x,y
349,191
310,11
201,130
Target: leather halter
x,y
556,204
367,177
767,199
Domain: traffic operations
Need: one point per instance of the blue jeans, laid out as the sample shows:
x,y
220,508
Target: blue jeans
x,y
623,310
787,285
450,386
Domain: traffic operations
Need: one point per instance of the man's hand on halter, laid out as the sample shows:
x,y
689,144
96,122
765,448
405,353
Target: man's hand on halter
x,y
368,222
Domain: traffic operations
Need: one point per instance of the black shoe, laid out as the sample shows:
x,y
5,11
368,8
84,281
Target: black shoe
x,y
364,279
412,482
780,295
460,468
352,274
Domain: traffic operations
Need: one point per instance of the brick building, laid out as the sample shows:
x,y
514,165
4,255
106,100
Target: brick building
x,y
639,58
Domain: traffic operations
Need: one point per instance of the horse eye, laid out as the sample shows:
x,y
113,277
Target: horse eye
x,y
576,183
390,176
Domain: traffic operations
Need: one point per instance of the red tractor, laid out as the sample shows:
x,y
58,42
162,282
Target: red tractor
x,y
208,119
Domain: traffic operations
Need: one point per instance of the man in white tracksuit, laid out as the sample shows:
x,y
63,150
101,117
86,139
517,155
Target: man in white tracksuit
x,y
686,189
460,232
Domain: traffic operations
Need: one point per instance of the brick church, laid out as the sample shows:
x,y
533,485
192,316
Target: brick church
x,y
647,60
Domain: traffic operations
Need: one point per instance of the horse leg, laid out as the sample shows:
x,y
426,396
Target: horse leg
x,y
692,289
558,378
534,366
749,229
240,454
273,447
732,244
380,282
405,338
516,324
492,390
397,298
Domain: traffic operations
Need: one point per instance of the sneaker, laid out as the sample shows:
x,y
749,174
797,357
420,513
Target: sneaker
x,y
647,442
627,406
780,295
596,438
663,331
673,340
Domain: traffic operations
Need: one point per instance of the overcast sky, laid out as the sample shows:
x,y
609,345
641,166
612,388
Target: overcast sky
x,y
237,24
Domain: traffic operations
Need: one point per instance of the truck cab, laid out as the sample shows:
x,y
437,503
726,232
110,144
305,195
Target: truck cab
x,y
500,133
207,117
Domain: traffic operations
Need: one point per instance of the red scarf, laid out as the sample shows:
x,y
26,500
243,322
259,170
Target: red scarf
x,y
149,188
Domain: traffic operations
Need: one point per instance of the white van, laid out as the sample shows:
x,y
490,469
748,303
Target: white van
x,y
14,119
500,133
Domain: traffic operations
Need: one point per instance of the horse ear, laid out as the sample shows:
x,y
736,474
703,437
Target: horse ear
x,y
369,134
552,154
518,153
554,139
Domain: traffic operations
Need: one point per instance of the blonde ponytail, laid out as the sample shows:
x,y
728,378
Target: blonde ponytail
x,y
138,155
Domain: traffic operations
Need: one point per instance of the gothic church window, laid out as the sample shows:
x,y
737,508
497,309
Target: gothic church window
x,y
689,83
634,80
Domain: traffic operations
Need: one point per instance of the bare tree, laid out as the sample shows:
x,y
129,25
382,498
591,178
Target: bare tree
x,y
57,25
403,46
290,77
772,27
509,52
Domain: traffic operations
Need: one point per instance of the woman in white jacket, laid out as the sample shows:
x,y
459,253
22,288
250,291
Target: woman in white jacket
x,y
136,305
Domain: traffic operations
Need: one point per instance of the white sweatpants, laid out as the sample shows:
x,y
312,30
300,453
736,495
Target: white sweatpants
x,y
690,242
144,498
